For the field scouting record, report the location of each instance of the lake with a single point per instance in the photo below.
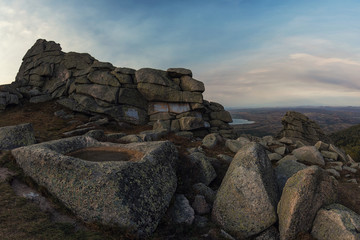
(238, 121)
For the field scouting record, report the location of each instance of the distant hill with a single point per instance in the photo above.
(349, 140)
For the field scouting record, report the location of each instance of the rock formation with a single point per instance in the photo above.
(172, 99)
(297, 126)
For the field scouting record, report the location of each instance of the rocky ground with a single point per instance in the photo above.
(200, 207)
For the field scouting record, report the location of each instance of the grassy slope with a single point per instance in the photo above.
(349, 140)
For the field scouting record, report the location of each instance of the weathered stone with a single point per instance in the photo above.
(162, 125)
(321, 146)
(132, 97)
(233, 145)
(179, 72)
(181, 211)
(297, 126)
(158, 107)
(206, 172)
(152, 135)
(350, 169)
(16, 136)
(104, 191)
(102, 65)
(124, 70)
(211, 140)
(309, 155)
(128, 114)
(303, 195)
(202, 189)
(274, 157)
(269, 234)
(40, 46)
(215, 107)
(155, 77)
(200, 205)
(185, 134)
(178, 107)
(43, 70)
(286, 140)
(333, 172)
(113, 137)
(79, 61)
(225, 158)
(280, 150)
(189, 84)
(78, 132)
(97, 134)
(223, 116)
(245, 204)
(335, 222)
(332, 155)
(154, 92)
(285, 170)
(191, 123)
(132, 138)
(342, 156)
(106, 93)
(161, 116)
(104, 78)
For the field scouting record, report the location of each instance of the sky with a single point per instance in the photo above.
(249, 53)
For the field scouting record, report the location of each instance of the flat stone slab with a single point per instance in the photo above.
(132, 193)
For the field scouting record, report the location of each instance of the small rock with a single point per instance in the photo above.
(280, 150)
(185, 134)
(331, 155)
(111, 137)
(286, 140)
(131, 139)
(182, 212)
(333, 172)
(233, 145)
(97, 134)
(200, 205)
(274, 157)
(201, 221)
(352, 181)
(78, 132)
(321, 146)
(202, 189)
(206, 172)
(211, 140)
(225, 158)
(342, 156)
(350, 169)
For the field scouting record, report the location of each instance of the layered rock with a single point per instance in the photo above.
(129, 193)
(84, 84)
(297, 126)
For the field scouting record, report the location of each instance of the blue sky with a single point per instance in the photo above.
(249, 53)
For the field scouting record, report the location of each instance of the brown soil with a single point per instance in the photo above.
(105, 154)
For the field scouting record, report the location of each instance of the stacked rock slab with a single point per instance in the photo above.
(297, 126)
(84, 84)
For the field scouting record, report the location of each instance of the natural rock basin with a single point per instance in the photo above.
(132, 195)
(105, 154)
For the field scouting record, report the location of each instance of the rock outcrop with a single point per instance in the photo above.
(132, 194)
(297, 126)
(80, 82)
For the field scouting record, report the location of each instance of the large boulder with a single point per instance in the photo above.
(131, 192)
(335, 222)
(285, 170)
(303, 195)
(245, 204)
(16, 136)
(309, 155)
(297, 126)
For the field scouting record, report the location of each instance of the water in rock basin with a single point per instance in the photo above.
(104, 154)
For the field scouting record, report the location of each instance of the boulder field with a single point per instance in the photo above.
(234, 187)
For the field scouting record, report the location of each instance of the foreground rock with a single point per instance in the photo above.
(336, 222)
(303, 195)
(131, 193)
(245, 204)
(16, 136)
